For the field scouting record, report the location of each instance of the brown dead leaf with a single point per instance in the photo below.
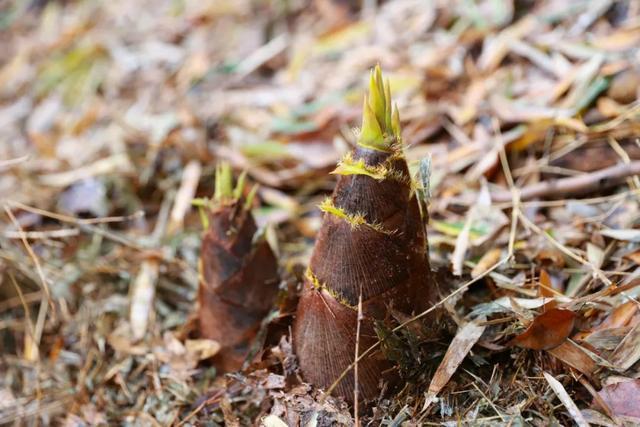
(548, 330)
(623, 398)
(495, 49)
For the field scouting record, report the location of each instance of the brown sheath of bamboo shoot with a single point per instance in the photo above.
(371, 244)
(239, 282)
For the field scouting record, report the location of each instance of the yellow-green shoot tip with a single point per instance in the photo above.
(380, 127)
(224, 183)
(371, 134)
(224, 194)
(224, 191)
(377, 100)
(395, 122)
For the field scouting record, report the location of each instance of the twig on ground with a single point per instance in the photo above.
(186, 192)
(36, 261)
(8, 164)
(580, 184)
(48, 234)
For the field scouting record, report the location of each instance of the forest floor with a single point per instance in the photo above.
(114, 114)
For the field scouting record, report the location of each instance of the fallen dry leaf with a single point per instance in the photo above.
(551, 256)
(202, 348)
(620, 316)
(486, 262)
(623, 398)
(462, 343)
(573, 355)
(142, 295)
(548, 330)
(546, 288)
(628, 351)
(272, 421)
(566, 400)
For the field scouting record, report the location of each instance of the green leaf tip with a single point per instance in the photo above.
(377, 100)
(371, 134)
(387, 105)
(395, 122)
(239, 190)
(224, 183)
(225, 192)
(380, 126)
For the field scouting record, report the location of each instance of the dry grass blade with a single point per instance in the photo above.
(50, 234)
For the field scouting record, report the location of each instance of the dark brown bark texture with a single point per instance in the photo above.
(239, 283)
(385, 261)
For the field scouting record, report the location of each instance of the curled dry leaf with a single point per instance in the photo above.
(548, 330)
(551, 257)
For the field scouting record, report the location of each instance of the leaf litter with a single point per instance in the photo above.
(113, 116)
